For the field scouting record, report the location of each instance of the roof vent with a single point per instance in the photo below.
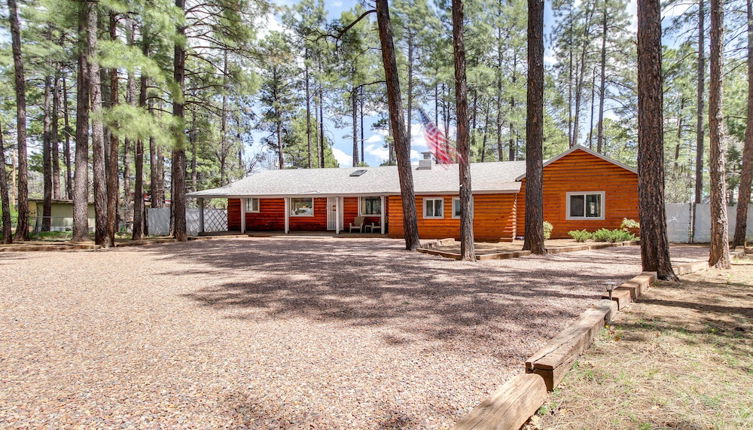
(358, 172)
(425, 163)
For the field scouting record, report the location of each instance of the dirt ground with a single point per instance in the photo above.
(295, 333)
(681, 357)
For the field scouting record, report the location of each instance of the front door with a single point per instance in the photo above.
(331, 212)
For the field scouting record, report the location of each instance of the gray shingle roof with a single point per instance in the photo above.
(485, 177)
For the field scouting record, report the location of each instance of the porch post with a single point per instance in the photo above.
(337, 215)
(201, 215)
(243, 216)
(287, 215)
(381, 216)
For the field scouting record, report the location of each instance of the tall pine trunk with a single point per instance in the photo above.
(354, 119)
(513, 147)
(55, 136)
(98, 138)
(719, 250)
(67, 144)
(4, 199)
(87, 22)
(306, 81)
(402, 146)
(467, 249)
(22, 225)
(746, 175)
(179, 154)
(47, 155)
(138, 158)
(700, 95)
(112, 161)
(534, 227)
(602, 78)
(654, 242)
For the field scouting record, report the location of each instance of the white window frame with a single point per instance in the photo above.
(360, 205)
(433, 199)
(457, 199)
(290, 210)
(249, 206)
(602, 210)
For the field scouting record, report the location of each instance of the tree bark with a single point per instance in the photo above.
(467, 249)
(87, 22)
(700, 94)
(746, 174)
(179, 154)
(138, 158)
(308, 107)
(98, 137)
(47, 155)
(22, 225)
(55, 136)
(409, 114)
(4, 199)
(581, 75)
(654, 242)
(354, 118)
(321, 119)
(513, 147)
(67, 145)
(719, 250)
(402, 149)
(112, 162)
(602, 78)
(534, 227)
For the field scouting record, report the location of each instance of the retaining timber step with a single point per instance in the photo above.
(432, 249)
(509, 407)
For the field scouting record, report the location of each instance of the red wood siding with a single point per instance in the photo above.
(350, 212)
(581, 171)
(494, 218)
(271, 216)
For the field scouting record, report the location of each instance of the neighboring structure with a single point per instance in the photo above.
(61, 216)
(582, 190)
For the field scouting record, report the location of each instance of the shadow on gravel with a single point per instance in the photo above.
(500, 308)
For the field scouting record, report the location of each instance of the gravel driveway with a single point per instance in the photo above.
(277, 332)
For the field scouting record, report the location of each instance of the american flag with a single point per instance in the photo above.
(444, 150)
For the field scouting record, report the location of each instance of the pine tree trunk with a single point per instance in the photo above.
(55, 136)
(402, 150)
(98, 138)
(581, 74)
(88, 21)
(700, 94)
(411, 49)
(354, 119)
(593, 100)
(22, 225)
(746, 174)
(486, 132)
(654, 242)
(512, 148)
(4, 199)
(67, 144)
(138, 159)
(719, 250)
(360, 110)
(602, 78)
(500, 149)
(130, 99)
(321, 120)
(308, 108)
(112, 161)
(534, 227)
(47, 155)
(467, 248)
(179, 154)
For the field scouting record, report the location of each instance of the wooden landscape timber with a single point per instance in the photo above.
(434, 248)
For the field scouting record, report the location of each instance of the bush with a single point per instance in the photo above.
(548, 227)
(605, 235)
(629, 224)
(580, 235)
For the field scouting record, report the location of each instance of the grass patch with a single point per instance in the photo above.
(681, 357)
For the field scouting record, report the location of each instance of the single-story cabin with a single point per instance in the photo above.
(582, 190)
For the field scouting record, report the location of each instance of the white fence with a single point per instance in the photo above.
(680, 222)
(158, 220)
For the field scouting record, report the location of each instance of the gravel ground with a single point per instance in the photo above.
(277, 332)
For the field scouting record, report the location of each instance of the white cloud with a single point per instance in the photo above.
(375, 138)
(377, 151)
(345, 160)
(677, 9)
(268, 23)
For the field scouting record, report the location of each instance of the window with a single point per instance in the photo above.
(585, 205)
(252, 205)
(456, 207)
(434, 208)
(371, 206)
(302, 207)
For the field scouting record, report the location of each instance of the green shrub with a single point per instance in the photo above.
(628, 224)
(605, 235)
(548, 227)
(580, 235)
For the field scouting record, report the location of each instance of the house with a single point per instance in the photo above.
(582, 190)
(61, 218)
